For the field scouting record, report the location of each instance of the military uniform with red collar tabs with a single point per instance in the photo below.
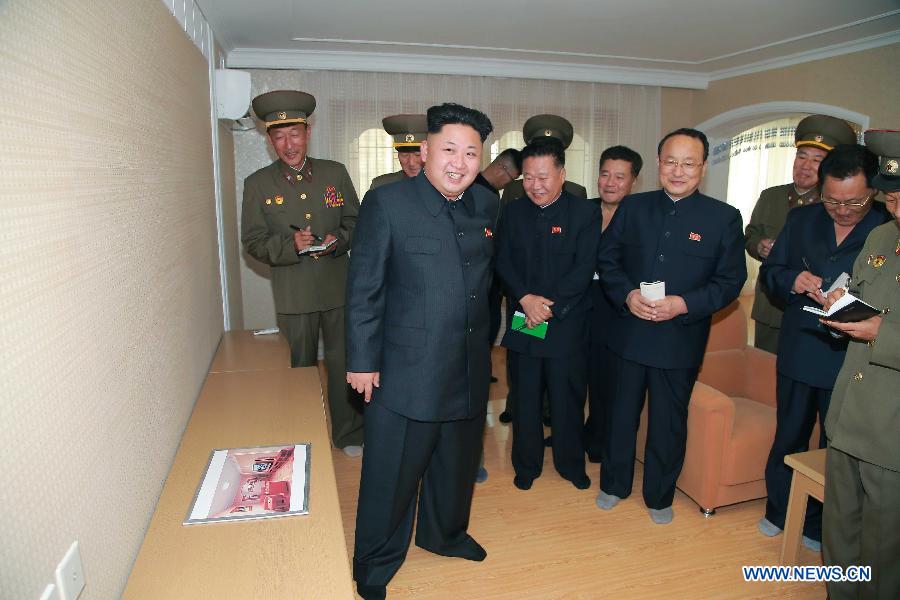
(309, 291)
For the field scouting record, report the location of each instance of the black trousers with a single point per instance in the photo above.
(564, 379)
(601, 370)
(668, 393)
(798, 405)
(408, 462)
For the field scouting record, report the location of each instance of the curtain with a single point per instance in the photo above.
(350, 104)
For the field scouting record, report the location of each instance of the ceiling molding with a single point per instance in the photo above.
(867, 43)
(728, 123)
(259, 58)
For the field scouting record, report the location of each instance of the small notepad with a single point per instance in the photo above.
(655, 290)
(518, 324)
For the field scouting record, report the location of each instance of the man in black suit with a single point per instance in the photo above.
(545, 260)
(818, 243)
(619, 169)
(695, 245)
(417, 321)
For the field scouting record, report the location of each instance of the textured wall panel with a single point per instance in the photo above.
(109, 290)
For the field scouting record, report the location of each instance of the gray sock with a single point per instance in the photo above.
(607, 501)
(662, 516)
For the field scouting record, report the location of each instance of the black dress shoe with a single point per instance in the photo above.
(548, 441)
(582, 483)
(468, 549)
(493, 379)
(546, 420)
(371, 592)
(594, 458)
(523, 483)
(506, 417)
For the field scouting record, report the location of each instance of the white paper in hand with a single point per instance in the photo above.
(653, 291)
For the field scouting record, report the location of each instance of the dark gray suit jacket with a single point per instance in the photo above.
(417, 298)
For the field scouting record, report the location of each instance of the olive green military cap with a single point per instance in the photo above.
(548, 126)
(283, 107)
(886, 144)
(823, 132)
(408, 131)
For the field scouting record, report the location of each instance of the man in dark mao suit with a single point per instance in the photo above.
(817, 244)
(417, 321)
(695, 245)
(545, 260)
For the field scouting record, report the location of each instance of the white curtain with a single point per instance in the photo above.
(350, 105)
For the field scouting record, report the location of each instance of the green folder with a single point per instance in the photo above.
(518, 324)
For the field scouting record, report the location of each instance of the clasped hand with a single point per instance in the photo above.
(655, 310)
(536, 309)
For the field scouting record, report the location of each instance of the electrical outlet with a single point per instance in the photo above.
(49, 592)
(70, 575)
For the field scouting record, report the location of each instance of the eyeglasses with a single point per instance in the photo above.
(853, 204)
(688, 166)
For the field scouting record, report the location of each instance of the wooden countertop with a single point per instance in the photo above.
(243, 351)
(288, 557)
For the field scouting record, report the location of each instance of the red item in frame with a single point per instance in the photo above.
(271, 488)
(279, 502)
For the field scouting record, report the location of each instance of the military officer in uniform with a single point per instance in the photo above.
(545, 261)
(694, 245)
(814, 137)
(408, 132)
(817, 244)
(295, 203)
(861, 520)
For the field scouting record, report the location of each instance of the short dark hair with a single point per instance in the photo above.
(694, 133)
(623, 153)
(450, 113)
(546, 146)
(512, 156)
(848, 160)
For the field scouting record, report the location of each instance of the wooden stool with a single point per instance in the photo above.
(808, 480)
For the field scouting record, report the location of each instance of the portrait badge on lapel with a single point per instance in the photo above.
(694, 237)
(333, 198)
(555, 229)
(488, 233)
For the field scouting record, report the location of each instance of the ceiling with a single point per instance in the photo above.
(681, 44)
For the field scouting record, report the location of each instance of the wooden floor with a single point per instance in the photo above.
(553, 542)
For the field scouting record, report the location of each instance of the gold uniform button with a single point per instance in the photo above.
(303, 196)
(858, 376)
(887, 310)
(897, 277)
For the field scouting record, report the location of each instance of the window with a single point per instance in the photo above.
(758, 159)
(375, 154)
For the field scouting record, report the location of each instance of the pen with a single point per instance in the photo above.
(806, 264)
(315, 237)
